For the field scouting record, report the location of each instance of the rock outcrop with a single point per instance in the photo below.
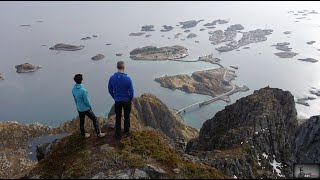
(66, 47)
(1, 77)
(307, 144)
(26, 68)
(150, 111)
(251, 138)
(162, 53)
(14, 139)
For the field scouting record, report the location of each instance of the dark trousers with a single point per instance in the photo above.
(126, 106)
(91, 115)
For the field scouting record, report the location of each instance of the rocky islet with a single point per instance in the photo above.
(97, 57)
(27, 68)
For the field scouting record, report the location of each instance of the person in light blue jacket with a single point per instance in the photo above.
(82, 101)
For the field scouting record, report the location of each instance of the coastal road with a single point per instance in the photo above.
(213, 99)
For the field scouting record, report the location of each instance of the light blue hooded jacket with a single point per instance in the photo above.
(81, 98)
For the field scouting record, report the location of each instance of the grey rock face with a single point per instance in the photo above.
(138, 174)
(154, 172)
(261, 124)
(307, 142)
(100, 175)
(66, 47)
(97, 57)
(27, 67)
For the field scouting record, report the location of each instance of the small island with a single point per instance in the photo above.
(1, 76)
(189, 24)
(284, 46)
(213, 82)
(187, 31)
(163, 53)
(86, 38)
(253, 36)
(286, 54)
(119, 54)
(311, 42)
(191, 35)
(315, 92)
(26, 68)
(147, 28)
(219, 21)
(202, 29)
(287, 32)
(234, 67)
(97, 57)
(137, 34)
(309, 60)
(302, 101)
(166, 28)
(177, 35)
(235, 27)
(66, 47)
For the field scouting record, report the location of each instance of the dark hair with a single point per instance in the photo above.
(120, 65)
(78, 78)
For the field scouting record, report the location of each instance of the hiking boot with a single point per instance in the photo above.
(102, 135)
(87, 135)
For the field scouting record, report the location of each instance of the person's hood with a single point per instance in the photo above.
(78, 86)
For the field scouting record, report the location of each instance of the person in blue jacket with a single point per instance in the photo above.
(81, 98)
(121, 89)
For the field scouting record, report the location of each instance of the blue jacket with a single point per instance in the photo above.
(81, 98)
(120, 87)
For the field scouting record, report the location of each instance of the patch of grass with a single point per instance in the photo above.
(150, 143)
(71, 155)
